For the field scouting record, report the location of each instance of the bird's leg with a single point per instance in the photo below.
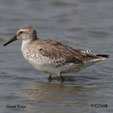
(49, 78)
(62, 79)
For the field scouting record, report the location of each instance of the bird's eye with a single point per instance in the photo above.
(21, 32)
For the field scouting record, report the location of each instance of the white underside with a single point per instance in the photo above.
(67, 68)
(52, 69)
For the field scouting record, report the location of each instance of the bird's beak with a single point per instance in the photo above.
(11, 40)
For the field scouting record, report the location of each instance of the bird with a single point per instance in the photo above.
(52, 56)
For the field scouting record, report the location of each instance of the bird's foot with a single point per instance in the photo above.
(62, 79)
(50, 77)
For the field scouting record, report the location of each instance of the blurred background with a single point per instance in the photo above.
(83, 24)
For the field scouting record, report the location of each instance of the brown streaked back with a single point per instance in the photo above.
(54, 49)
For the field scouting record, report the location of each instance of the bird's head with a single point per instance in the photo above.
(24, 33)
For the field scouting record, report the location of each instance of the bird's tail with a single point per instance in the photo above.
(94, 59)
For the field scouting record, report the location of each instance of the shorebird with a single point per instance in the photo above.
(51, 56)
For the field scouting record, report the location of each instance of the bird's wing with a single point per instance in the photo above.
(56, 50)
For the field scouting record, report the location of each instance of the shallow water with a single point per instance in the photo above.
(85, 24)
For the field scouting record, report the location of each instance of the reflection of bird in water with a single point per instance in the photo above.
(51, 56)
(53, 92)
(72, 94)
(46, 95)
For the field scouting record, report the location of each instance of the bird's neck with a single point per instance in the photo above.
(25, 44)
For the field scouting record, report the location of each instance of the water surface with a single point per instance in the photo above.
(85, 24)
